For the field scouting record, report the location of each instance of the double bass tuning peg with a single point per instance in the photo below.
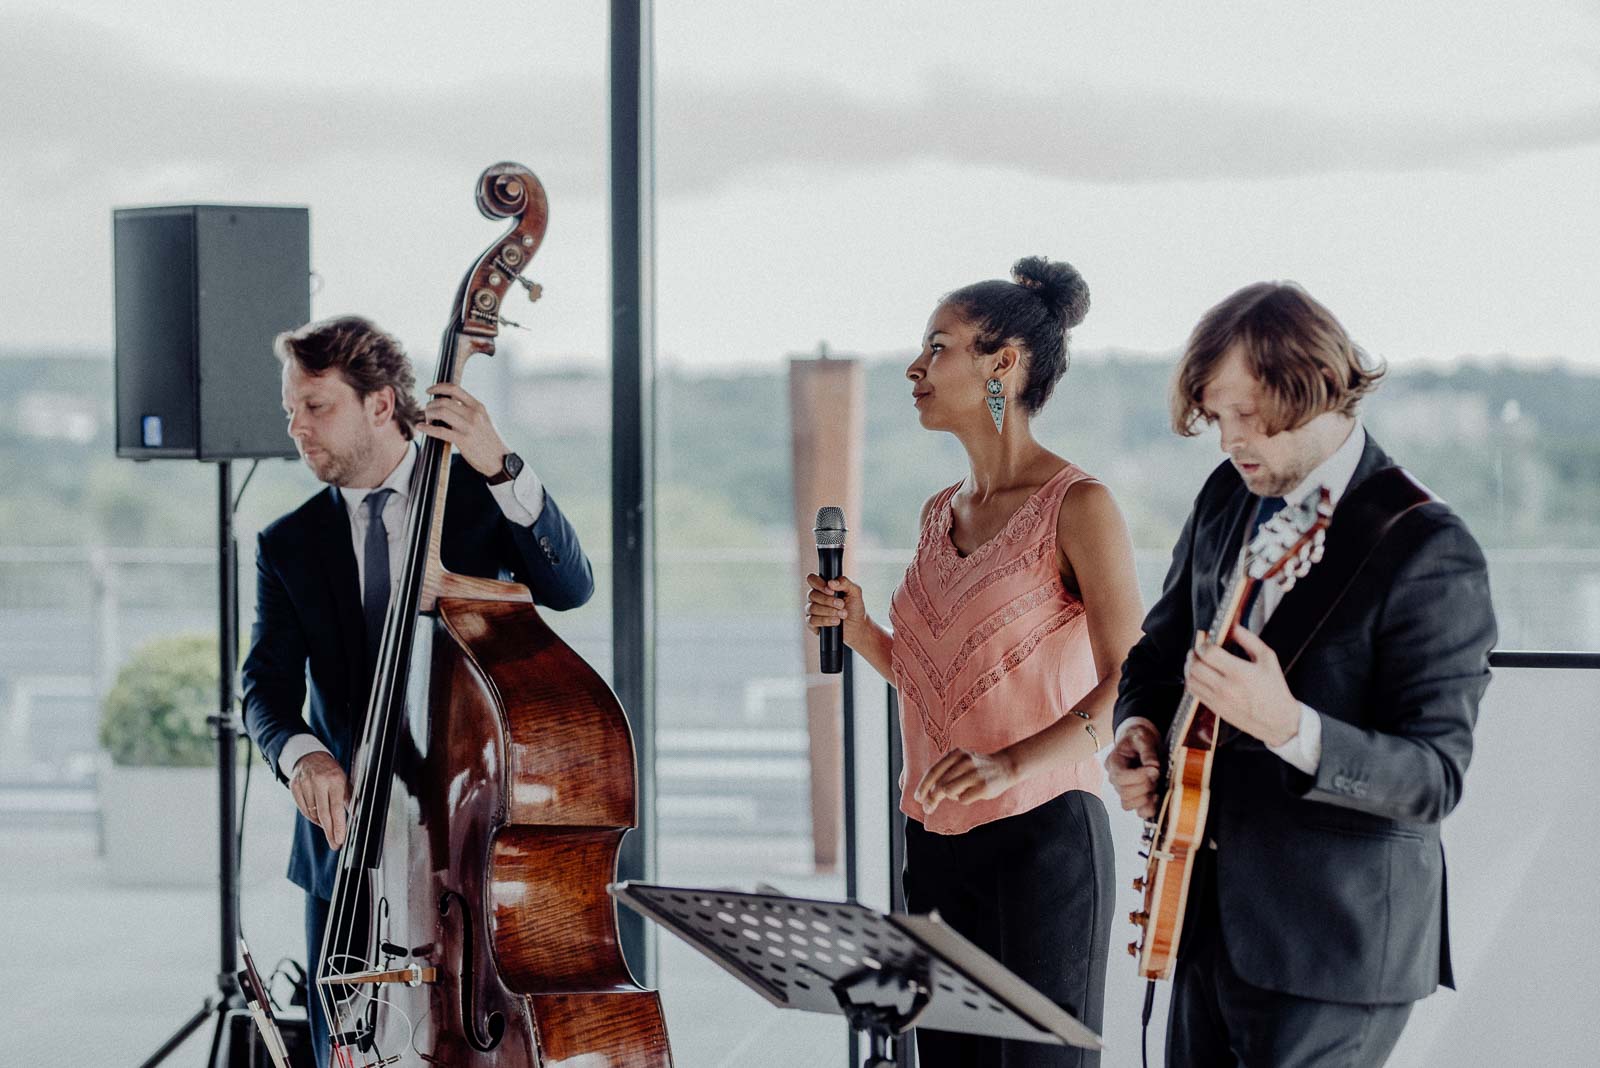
(511, 261)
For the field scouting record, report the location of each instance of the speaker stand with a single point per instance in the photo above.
(226, 995)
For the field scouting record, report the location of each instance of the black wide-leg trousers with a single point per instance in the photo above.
(1035, 891)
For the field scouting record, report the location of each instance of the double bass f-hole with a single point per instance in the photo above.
(496, 1022)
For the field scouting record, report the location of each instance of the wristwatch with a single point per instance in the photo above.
(510, 468)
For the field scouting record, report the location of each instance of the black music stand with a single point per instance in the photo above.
(883, 972)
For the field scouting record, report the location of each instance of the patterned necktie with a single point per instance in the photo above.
(375, 561)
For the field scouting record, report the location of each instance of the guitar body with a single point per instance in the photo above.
(1179, 835)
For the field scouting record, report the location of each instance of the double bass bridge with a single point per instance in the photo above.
(411, 975)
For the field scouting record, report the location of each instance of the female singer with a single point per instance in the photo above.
(1009, 632)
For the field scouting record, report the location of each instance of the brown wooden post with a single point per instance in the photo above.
(827, 418)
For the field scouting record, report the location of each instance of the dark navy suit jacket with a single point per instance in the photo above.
(309, 626)
(1332, 886)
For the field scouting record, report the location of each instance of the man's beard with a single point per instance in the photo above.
(338, 468)
(1278, 483)
(1275, 485)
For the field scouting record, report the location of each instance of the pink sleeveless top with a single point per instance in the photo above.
(988, 649)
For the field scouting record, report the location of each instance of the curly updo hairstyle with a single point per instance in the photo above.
(1033, 311)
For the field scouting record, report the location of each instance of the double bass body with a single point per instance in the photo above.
(523, 787)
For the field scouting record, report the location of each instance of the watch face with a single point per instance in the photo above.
(512, 464)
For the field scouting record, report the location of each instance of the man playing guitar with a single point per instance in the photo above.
(1316, 914)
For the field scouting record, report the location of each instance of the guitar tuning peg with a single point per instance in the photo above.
(535, 290)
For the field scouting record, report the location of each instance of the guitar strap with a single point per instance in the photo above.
(1363, 519)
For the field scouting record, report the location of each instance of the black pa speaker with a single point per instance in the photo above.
(201, 291)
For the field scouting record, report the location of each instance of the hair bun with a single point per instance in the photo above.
(1058, 284)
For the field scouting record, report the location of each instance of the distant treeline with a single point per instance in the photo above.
(1510, 444)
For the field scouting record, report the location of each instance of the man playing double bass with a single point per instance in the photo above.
(324, 572)
(1317, 913)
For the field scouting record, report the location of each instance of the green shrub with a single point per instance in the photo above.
(155, 714)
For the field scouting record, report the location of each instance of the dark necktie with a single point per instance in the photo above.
(375, 563)
(1269, 507)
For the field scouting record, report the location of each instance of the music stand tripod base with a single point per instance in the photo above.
(884, 972)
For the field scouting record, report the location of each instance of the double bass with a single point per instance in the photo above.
(491, 790)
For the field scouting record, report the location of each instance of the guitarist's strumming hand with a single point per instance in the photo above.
(1134, 768)
(1249, 691)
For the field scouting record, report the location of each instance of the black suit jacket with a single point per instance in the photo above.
(309, 625)
(1332, 886)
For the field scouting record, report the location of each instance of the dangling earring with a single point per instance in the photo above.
(997, 403)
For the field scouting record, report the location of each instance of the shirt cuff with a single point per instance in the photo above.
(522, 499)
(1304, 750)
(1122, 728)
(295, 748)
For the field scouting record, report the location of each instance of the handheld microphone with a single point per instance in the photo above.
(830, 530)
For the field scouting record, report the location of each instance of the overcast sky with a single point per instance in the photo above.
(827, 170)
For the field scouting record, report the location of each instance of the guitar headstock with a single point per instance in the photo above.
(1286, 546)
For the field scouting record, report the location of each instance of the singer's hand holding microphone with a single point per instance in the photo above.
(835, 610)
(834, 604)
(831, 590)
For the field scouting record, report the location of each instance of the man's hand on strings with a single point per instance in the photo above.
(456, 416)
(1247, 691)
(322, 792)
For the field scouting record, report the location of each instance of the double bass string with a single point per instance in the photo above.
(375, 757)
(344, 912)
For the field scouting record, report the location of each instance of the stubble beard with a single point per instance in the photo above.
(339, 468)
(1271, 483)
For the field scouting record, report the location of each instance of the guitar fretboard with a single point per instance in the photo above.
(1222, 622)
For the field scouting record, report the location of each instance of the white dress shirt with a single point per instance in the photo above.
(1304, 750)
(521, 500)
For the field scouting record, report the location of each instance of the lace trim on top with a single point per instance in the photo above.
(937, 623)
(1003, 616)
(1013, 659)
(948, 560)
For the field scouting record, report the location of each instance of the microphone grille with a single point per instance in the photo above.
(830, 528)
